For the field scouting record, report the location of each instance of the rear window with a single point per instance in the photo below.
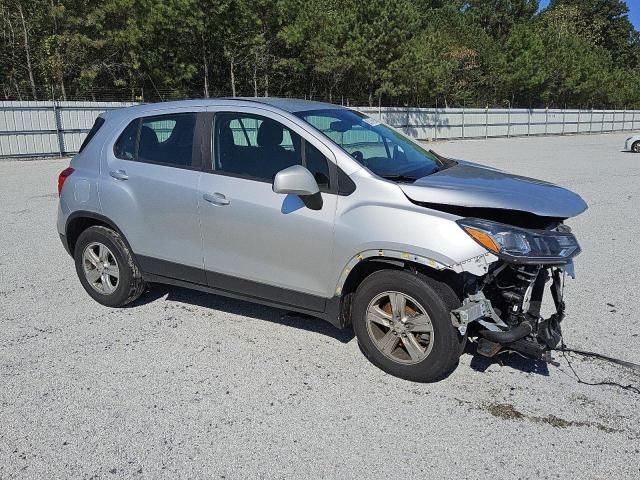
(96, 126)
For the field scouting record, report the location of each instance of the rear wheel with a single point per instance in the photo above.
(106, 267)
(635, 147)
(403, 325)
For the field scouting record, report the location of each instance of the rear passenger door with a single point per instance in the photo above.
(151, 193)
(257, 242)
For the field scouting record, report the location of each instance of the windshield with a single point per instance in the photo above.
(378, 147)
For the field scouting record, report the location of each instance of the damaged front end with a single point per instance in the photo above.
(502, 308)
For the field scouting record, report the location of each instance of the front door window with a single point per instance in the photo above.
(257, 148)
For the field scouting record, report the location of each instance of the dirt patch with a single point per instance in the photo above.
(509, 412)
(504, 410)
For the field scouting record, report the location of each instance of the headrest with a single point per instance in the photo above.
(270, 134)
(225, 135)
(148, 136)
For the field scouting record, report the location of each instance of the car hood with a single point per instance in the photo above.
(467, 184)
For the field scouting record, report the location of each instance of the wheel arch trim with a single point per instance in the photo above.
(476, 265)
(395, 257)
(87, 214)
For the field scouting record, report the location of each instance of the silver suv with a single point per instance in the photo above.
(319, 209)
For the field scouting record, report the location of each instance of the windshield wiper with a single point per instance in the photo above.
(446, 162)
(400, 178)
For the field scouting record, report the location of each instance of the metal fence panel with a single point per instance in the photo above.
(47, 128)
(58, 128)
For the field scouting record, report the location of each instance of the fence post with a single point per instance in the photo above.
(579, 121)
(546, 119)
(613, 121)
(591, 121)
(624, 114)
(564, 119)
(58, 120)
(529, 121)
(463, 122)
(509, 122)
(435, 130)
(486, 122)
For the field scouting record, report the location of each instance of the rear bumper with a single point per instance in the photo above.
(628, 143)
(65, 244)
(61, 224)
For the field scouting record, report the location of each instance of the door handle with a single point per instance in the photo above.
(119, 174)
(216, 198)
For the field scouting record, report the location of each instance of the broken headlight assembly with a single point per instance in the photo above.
(523, 246)
(503, 308)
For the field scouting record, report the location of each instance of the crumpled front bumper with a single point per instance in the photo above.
(533, 335)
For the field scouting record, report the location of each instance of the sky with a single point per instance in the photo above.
(634, 10)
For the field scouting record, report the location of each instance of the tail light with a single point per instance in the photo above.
(64, 174)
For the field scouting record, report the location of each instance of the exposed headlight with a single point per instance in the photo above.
(519, 245)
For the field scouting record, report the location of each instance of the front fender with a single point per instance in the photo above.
(478, 265)
(392, 226)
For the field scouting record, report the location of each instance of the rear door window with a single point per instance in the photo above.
(163, 139)
(167, 139)
(125, 147)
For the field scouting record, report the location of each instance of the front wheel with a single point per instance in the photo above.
(636, 147)
(403, 325)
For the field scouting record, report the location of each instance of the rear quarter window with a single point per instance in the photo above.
(94, 129)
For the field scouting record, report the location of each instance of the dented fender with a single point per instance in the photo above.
(477, 265)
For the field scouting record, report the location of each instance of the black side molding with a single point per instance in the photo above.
(150, 265)
(162, 271)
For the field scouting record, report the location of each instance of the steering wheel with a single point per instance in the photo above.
(359, 156)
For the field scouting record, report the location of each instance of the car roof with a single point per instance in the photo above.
(290, 105)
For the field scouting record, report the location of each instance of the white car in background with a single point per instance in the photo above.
(632, 144)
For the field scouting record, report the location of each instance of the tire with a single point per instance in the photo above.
(439, 350)
(98, 250)
(635, 147)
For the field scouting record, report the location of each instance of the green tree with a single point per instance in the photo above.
(419, 52)
(523, 67)
(497, 17)
(609, 23)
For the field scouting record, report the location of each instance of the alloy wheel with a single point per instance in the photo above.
(100, 268)
(400, 327)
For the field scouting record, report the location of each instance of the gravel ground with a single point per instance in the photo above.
(198, 386)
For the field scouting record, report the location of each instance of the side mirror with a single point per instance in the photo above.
(295, 180)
